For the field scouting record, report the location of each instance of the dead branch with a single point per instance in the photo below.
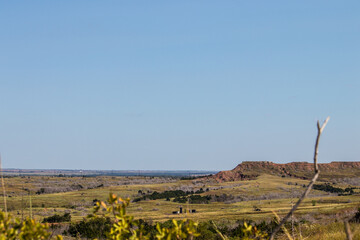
(309, 187)
(348, 231)
(283, 227)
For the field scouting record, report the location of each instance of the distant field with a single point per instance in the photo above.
(93, 173)
(251, 200)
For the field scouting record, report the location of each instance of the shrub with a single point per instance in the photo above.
(57, 218)
(356, 218)
(13, 229)
(90, 228)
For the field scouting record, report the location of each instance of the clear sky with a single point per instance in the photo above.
(172, 85)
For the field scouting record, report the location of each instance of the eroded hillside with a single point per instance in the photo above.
(303, 170)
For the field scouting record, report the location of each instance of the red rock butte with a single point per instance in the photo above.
(251, 169)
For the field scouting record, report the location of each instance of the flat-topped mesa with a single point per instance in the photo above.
(251, 169)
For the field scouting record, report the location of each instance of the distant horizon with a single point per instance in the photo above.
(167, 170)
(109, 170)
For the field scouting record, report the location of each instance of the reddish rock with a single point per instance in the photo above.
(250, 170)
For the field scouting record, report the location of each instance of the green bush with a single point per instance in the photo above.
(57, 218)
(14, 229)
(90, 228)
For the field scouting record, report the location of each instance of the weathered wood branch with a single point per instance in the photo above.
(347, 230)
(313, 180)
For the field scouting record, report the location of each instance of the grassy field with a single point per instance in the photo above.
(252, 200)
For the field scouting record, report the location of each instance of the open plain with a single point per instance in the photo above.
(158, 199)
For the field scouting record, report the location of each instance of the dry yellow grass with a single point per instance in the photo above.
(80, 202)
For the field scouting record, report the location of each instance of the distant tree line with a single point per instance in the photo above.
(193, 199)
(166, 194)
(328, 188)
(181, 196)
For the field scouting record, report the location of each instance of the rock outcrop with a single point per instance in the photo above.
(304, 170)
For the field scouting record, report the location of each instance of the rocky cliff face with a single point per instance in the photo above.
(250, 170)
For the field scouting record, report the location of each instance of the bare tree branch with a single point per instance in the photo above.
(309, 187)
(320, 130)
(283, 227)
(347, 230)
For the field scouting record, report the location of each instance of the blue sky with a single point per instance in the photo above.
(177, 84)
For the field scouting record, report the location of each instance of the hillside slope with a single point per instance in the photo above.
(304, 170)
